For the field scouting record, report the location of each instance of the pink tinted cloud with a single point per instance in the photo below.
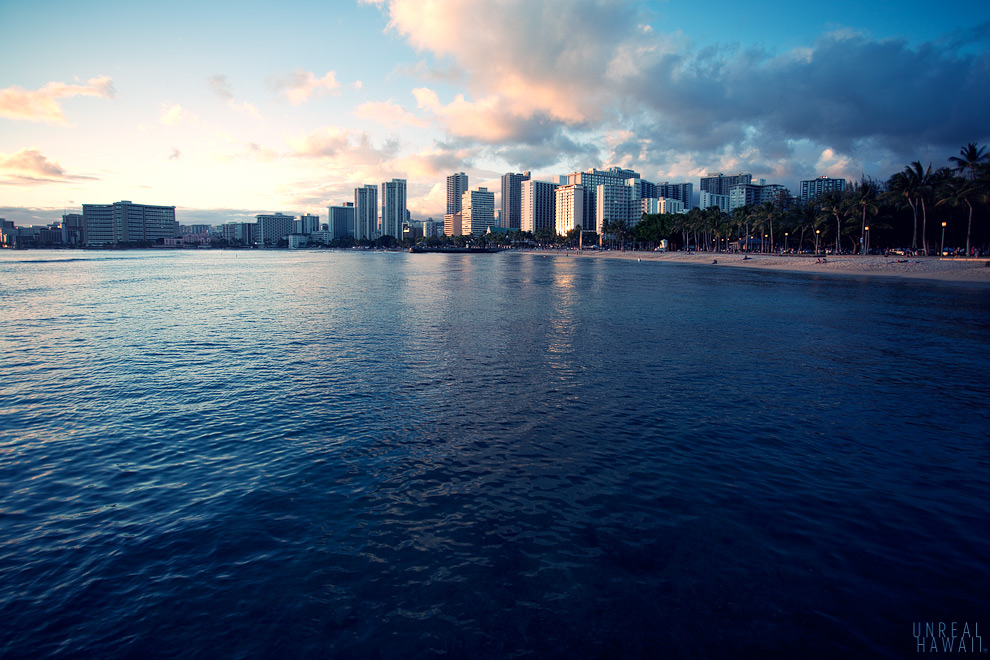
(43, 105)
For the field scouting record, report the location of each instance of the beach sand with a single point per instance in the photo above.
(926, 268)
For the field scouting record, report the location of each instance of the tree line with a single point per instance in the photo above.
(913, 210)
(920, 209)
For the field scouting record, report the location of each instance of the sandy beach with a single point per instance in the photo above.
(925, 268)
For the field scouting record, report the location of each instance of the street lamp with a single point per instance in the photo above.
(786, 234)
(942, 251)
(817, 234)
(764, 246)
(866, 244)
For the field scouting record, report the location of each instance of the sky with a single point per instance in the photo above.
(228, 110)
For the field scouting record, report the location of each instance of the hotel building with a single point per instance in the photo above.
(127, 222)
(457, 185)
(393, 207)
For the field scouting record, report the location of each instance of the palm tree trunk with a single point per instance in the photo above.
(969, 226)
(924, 227)
(862, 233)
(914, 235)
(838, 234)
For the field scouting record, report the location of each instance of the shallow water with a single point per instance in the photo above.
(315, 454)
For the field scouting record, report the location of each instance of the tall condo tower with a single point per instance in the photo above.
(393, 207)
(457, 185)
(511, 198)
(365, 212)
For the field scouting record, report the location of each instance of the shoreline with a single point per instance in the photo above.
(941, 269)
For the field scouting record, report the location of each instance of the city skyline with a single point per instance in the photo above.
(234, 114)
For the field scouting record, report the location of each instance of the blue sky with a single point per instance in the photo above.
(231, 110)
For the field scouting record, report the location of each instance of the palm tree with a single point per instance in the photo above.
(920, 182)
(964, 191)
(833, 203)
(900, 187)
(864, 197)
(969, 159)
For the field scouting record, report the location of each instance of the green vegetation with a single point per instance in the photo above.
(870, 215)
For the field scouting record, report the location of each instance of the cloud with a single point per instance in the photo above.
(173, 114)
(31, 167)
(299, 86)
(564, 74)
(42, 105)
(436, 162)
(220, 86)
(387, 113)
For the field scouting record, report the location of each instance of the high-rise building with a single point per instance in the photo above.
(8, 233)
(712, 199)
(593, 178)
(681, 191)
(240, 233)
(341, 220)
(511, 198)
(574, 206)
(647, 189)
(617, 203)
(813, 188)
(127, 222)
(307, 224)
(457, 185)
(750, 193)
(719, 184)
(536, 206)
(393, 207)
(273, 228)
(73, 229)
(453, 224)
(366, 213)
(477, 211)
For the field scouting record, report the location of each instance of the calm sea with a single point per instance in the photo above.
(383, 455)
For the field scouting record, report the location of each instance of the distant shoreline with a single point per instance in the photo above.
(974, 271)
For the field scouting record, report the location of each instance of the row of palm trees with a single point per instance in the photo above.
(864, 208)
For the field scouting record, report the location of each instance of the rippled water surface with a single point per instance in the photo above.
(358, 455)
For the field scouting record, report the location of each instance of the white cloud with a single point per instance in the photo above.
(299, 86)
(387, 113)
(172, 114)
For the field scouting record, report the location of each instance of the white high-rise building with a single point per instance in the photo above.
(477, 211)
(574, 206)
(457, 185)
(712, 199)
(812, 188)
(536, 206)
(273, 228)
(366, 213)
(393, 207)
(617, 203)
(751, 193)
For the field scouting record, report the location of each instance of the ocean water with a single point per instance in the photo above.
(233, 454)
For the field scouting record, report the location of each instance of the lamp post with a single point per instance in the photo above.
(765, 248)
(786, 234)
(866, 243)
(817, 234)
(942, 251)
